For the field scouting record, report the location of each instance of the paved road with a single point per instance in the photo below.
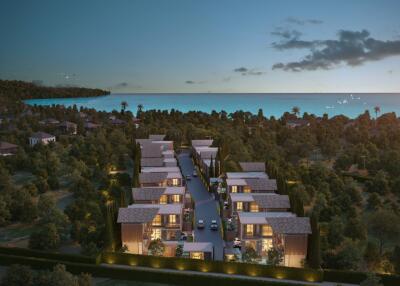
(205, 207)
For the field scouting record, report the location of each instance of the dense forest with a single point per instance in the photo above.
(344, 173)
(13, 90)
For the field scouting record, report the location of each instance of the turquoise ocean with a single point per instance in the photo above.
(272, 104)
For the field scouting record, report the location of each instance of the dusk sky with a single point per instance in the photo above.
(204, 46)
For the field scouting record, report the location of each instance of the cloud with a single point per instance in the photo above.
(352, 48)
(286, 33)
(195, 82)
(290, 40)
(121, 84)
(302, 22)
(124, 84)
(246, 71)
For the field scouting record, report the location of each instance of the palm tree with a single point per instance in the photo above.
(124, 105)
(377, 110)
(296, 110)
(139, 110)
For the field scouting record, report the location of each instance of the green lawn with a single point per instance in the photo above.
(16, 232)
(22, 178)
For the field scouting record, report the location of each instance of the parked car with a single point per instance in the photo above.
(237, 243)
(214, 225)
(200, 224)
(194, 173)
(183, 236)
(226, 205)
(188, 177)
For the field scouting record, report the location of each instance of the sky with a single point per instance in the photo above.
(203, 46)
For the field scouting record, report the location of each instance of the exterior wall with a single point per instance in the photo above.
(295, 246)
(132, 237)
(8, 151)
(33, 141)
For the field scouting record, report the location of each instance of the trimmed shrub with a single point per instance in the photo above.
(354, 277)
(258, 270)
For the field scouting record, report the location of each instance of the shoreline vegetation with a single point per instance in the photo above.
(15, 90)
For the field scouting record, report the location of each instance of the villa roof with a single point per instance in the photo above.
(197, 247)
(202, 142)
(91, 125)
(272, 201)
(136, 215)
(151, 194)
(246, 175)
(161, 208)
(172, 169)
(68, 124)
(152, 177)
(41, 135)
(262, 184)
(157, 137)
(149, 150)
(281, 222)
(6, 145)
(252, 166)
(152, 162)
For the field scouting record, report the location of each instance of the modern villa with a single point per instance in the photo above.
(250, 185)
(258, 202)
(282, 230)
(142, 223)
(41, 137)
(157, 195)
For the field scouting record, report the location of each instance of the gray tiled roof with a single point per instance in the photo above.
(41, 135)
(152, 177)
(157, 137)
(6, 145)
(290, 225)
(252, 166)
(272, 201)
(150, 150)
(262, 184)
(136, 215)
(152, 162)
(147, 194)
(202, 142)
(208, 154)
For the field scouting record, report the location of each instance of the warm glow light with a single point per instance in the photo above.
(155, 265)
(230, 271)
(310, 279)
(204, 269)
(180, 267)
(110, 261)
(280, 276)
(132, 263)
(253, 273)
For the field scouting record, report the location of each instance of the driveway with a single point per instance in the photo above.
(205, 207)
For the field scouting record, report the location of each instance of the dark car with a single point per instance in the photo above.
(214, 225)
(194, 173)
(188, 177)
(200, 224)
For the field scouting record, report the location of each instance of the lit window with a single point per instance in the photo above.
(239, 206)
(254, 208)
(267, 230)
(157, 220)
(156, 234)
(249, 229)
(176, 198)
(172, 219)
(175, 182)
(246, 190)
(163, 199)
(266, 244)
(197, 255)
(234, 189)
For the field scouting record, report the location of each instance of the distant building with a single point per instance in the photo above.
(251, 185)
(49, 121)
(68, 127)
(198, 250)
(7, 149)
(89, 126)
(297, 123)
(41, 137)
(252, 166)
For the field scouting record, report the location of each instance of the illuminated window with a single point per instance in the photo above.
(176, 198)
(172, 219)
(254, 208)
(175, 182)
(239, 206)
(266, 230)
(234, 189)
(246, 190)
(163, 199)
(156, 234)
(249, 229)
(157, 220)
(197, 255)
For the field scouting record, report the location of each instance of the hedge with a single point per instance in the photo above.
(354, 277)
(137, 274)
(50, 255)
(279, 272)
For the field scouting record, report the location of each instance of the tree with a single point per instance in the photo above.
(18, 275)
(139, 110)
(371, 255)
(45, 238)
(314, 248)
(385, 226)
(296, 110)
(156, 247)
(46, 205)
(90, 249)
(211, 169)
(374, 201)
(377, 110)
(395, 259)
(250, 255)
(5, 214)
(275, 256)
(179, 250)
(124, 105)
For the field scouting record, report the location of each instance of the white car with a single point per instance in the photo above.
(214, 225)
(194, 173)
(200, 224)
(237, 243)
